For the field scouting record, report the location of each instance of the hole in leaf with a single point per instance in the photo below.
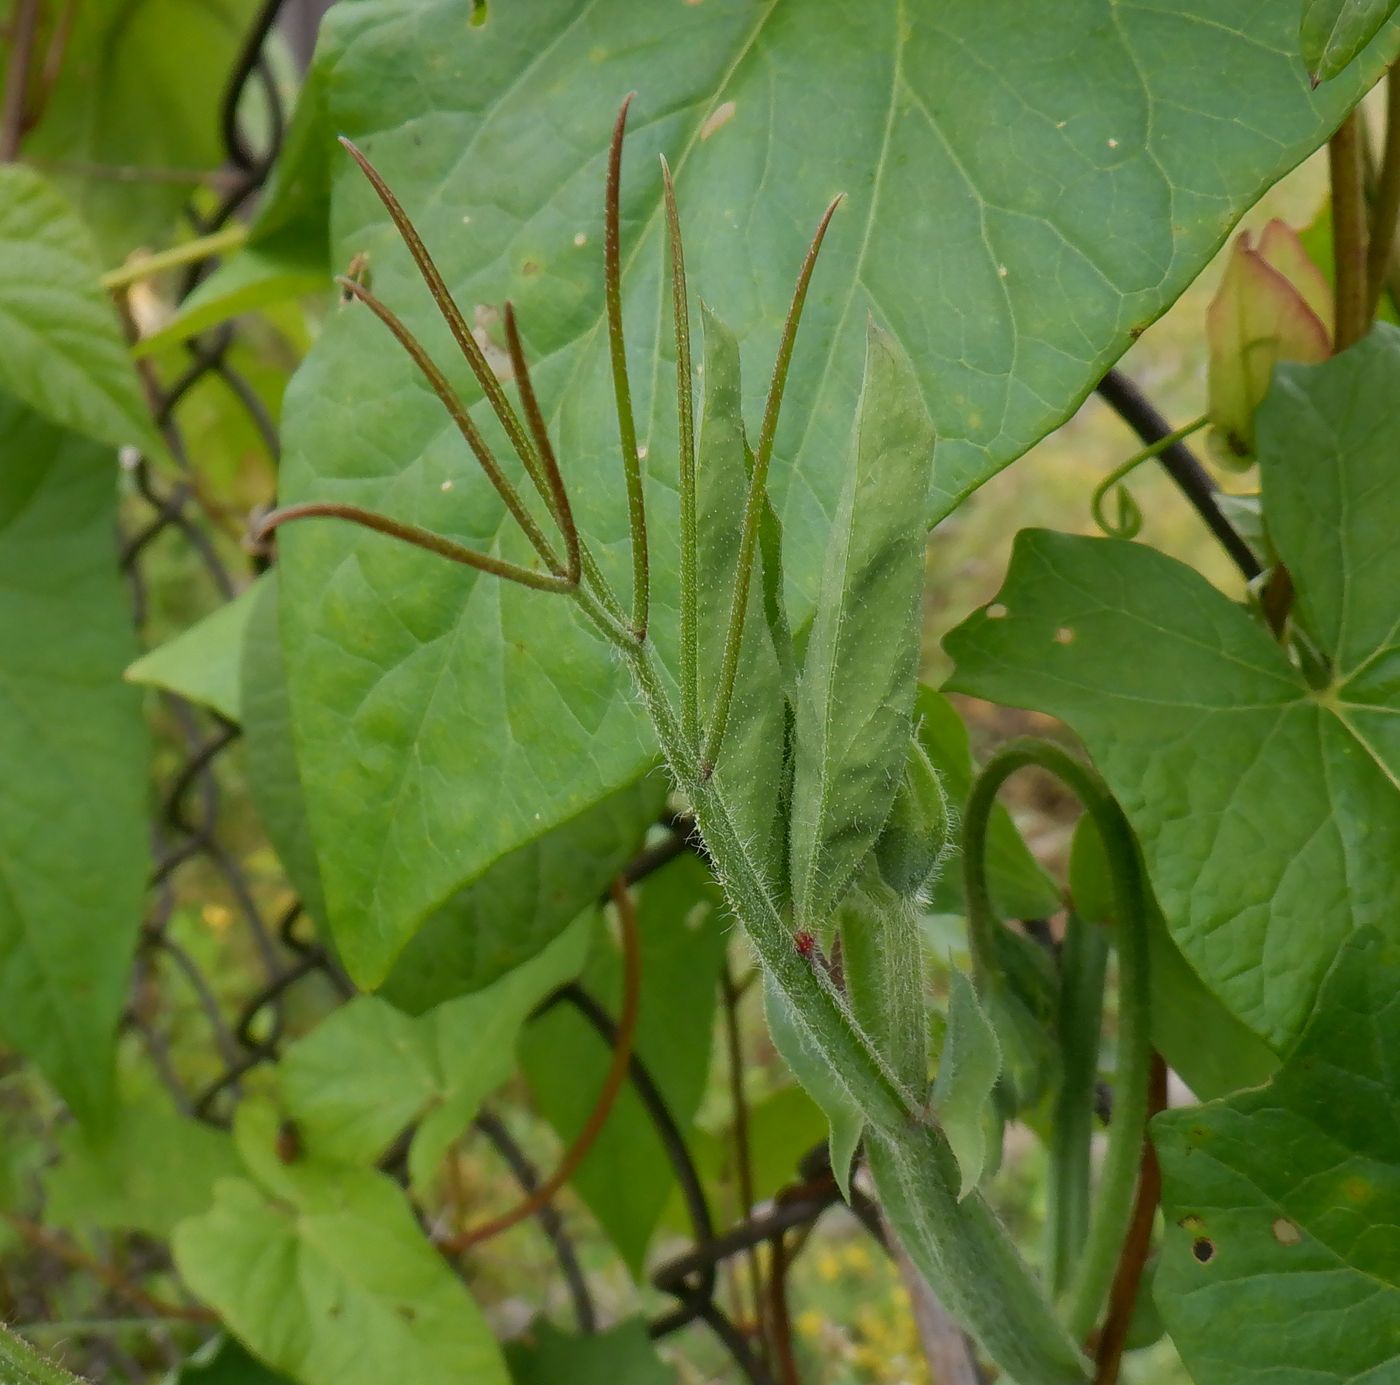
(996, 611)
(1203, 1249)
(479, 13)
(1064, 635)
(1285, 1233)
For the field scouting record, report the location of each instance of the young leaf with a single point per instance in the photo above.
(73, 834)
(204, 663)
(1281, 1202)
(882, 959)
(1333, 32)
(817, 1079)
(856, 694)
(967, 1072)
(1268, 809)
(64, 356)
(152, 1168)
(323, 1272)
(368, 1071)
(625, 1178)
(750, 767)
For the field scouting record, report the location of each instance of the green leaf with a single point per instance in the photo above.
(882, 958)
(968, 1069)
(750, 767)
(857, 687)
(64, 355)
(1210, 1049)
(811, 1069)
(524, 901)
(368, 1071)
(73, 836)
(224, 1361)
(22, 1364)
(205, 662)
(1281, 1203)
(1019, 887)
(152, 1168)
(1266, 808)
(274, 776)
(623, 1355)
(322, 1271)
(625, 1179)
(141, 88)
(1334, 32)
(287, 252)
(425, 689)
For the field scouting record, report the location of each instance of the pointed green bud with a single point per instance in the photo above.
(915, 838)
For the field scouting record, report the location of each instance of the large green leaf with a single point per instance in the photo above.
(1281, 1263)
(63, 353)
(73, 842)
(1268, 810)
(857, 687)
(322, 1271)
(141, 87)
(1027, 187)
(368, 1071)
(625, 1178)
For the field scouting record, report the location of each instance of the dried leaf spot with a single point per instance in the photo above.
(996, 611)
(721, 115)
(1002, 271)
(1203, 1248)
(1064, 635)
(581, 238)
(530, 268)
(1285, 1233)
(447, 485)
(1113, 144)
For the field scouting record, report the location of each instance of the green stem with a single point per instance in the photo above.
(218, 243)
(1349, 233)
(1129, 521)
(20, 1364)
(1083, 962)
(1094, 1275)
(1385, 210)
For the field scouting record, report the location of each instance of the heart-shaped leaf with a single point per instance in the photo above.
(1009, 171)
(1268, 809)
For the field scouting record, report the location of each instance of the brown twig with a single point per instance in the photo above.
(1122, 1299)
(12, 118)
(1349, 233)
(78, 1259)
(779, 1321)
(743, 1153)
(607, 1093)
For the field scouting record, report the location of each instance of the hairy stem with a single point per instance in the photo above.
(419, 538)
(20, 1364)
(685, 413)
(622, 389)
